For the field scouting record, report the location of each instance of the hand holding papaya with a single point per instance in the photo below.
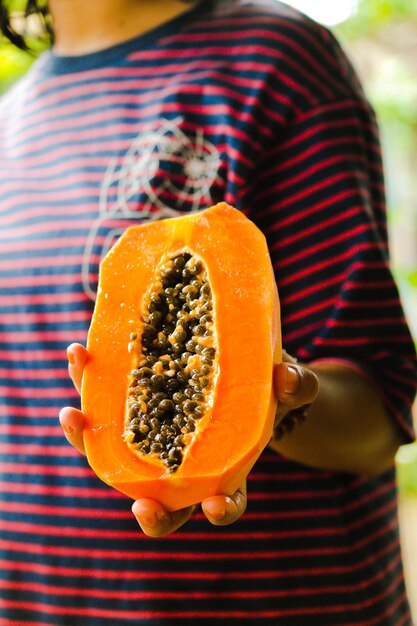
(295, 386)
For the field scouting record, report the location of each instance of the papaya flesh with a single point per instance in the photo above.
(177, 390)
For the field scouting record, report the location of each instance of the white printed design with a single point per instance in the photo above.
(162, 162)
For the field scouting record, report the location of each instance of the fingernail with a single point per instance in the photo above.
(150, 518)
(215, 510)
(71, 358)
(217, 514)
(68, 429)
(292, 380)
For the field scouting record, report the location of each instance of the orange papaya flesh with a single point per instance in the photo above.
(214, 452)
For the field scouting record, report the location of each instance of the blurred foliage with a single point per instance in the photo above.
(407, 469)
(373, 15)
(13, 61)
(13, 64)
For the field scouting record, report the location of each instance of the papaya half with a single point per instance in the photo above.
(177, 390)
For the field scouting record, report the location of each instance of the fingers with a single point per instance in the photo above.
(72, 422)
(155, 521)
(295, 386)
(224, 510)
(77, 358)
(71, 419)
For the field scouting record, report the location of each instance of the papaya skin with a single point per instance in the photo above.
(247, 327)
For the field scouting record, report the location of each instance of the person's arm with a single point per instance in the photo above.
(347, 428)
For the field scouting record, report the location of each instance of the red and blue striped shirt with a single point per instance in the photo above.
(251, 103)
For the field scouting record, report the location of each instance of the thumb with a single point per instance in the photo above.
(77, 358)
(295, 385)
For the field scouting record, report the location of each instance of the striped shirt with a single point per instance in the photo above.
(254, 104)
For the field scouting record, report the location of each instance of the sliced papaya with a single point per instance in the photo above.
(177, 390)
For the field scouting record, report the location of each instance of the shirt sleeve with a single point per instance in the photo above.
(319, 199)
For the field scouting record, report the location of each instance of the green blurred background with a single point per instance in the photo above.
(381, 38)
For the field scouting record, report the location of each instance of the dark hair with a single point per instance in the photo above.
(33, 7)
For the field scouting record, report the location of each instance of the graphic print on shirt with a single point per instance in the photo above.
(165, 172)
